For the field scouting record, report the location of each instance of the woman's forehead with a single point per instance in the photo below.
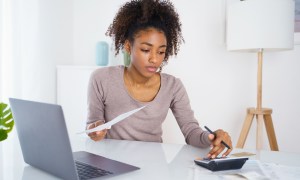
(150, 34)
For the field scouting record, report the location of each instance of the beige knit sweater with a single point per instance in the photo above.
(108, 98)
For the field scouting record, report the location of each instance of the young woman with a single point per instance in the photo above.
(149, 31)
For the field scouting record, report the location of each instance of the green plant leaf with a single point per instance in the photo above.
(7, 118)
(6, 121)
(3, 134)
(10, 125)
(2, 107)
(6, 112)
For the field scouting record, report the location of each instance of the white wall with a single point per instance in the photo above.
(90, 21)
(221, 84)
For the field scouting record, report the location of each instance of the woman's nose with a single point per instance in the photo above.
(153, 58)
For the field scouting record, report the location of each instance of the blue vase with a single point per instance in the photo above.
(102, 53)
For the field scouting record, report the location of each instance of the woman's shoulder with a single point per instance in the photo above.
(170, 80)
(107, 72)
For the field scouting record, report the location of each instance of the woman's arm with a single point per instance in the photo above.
(189, 126)
(184, 115)
(95, 108)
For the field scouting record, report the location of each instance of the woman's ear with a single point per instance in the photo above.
(127, 46)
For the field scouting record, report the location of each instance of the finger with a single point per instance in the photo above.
(224, 135)
(226, 152)
(218, 146)
(229, 143)
(92, 134)
(217, 141)
(100, 135)
(213, 151)
(90, 126)
(211, 137)
(97, 138)
(97, 123)
(217, 152)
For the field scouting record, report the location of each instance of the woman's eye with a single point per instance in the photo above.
(145, 50)
(161, 52)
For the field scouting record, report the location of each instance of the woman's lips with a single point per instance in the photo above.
(151, 68)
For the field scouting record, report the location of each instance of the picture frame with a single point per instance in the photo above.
(297, 23)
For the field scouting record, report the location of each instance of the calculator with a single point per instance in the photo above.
(222, 163)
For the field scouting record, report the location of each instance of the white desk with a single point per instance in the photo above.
(156, 160)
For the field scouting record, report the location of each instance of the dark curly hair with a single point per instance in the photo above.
(138, 15)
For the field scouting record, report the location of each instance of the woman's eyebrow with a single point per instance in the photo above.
(149, 44)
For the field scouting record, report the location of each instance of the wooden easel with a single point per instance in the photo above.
(261, 114)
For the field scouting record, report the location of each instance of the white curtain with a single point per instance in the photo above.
(10, 76)
(5, 49)
(18, 48)
(35, 36)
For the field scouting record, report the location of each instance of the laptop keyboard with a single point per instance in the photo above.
(86, 171)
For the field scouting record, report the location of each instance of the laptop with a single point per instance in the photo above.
(45, 144)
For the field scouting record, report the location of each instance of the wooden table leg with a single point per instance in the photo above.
(263, 116)
(259, 130)
(245, 130)
(271, 132)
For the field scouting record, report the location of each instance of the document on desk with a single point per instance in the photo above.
(277, 171)
(107, 125)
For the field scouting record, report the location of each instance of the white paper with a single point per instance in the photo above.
(107, 125)
(278, 171)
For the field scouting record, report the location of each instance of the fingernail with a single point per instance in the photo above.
(213, 156)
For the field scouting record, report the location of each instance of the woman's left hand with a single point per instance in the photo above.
(217, 146)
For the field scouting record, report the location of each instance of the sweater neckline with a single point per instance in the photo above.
(122, 71)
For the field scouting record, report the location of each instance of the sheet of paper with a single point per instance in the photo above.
(277, 171)
(107, 125)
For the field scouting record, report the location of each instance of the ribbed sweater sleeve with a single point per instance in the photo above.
(184, 115)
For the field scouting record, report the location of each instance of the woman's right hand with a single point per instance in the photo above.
(98, 135)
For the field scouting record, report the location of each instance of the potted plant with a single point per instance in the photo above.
(6, 121)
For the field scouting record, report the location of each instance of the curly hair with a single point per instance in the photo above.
(138, 15)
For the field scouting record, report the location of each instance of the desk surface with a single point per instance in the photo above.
(156, 160)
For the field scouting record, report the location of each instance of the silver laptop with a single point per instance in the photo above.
(45, 144)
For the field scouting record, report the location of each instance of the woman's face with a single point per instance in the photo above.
(147, 52)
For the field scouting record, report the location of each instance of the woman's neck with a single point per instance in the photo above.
(136, 79)
(141, 88)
